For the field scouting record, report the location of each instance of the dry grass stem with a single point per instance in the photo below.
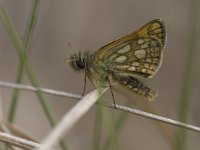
(154, 117)
(19, 142)
(119, 107)
(71, 118)
(44, 90)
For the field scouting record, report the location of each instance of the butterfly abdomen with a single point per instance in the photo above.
(137, 87)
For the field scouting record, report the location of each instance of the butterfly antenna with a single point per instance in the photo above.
(69, 45)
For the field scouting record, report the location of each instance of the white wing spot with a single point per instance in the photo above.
(135, 89)
(145, 45)
(132, 69)
(150, 71)
(125, 49)
(144, 70)
(140, 53)
(152, 67)
(148, 60)
(140, 41)
(155, 60)
(146, 65)
(130, 86)
(125, 82)
(135, 64)
(113, 56)
(121, 59)
(123, 66)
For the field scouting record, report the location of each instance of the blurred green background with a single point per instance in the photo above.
(88, 25)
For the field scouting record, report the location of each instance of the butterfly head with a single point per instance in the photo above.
(77, 61)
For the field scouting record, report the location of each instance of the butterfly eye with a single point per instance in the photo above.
(80, 63)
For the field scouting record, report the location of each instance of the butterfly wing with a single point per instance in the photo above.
(137, 54)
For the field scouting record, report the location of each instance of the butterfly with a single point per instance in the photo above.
(126, 60)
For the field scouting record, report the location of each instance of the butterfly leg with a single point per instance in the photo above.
(85, 82)
(110, 86)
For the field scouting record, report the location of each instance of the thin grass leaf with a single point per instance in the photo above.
(24, 59)
(188, 79)
(27, 38)
(118, 124)
(97, 128)
(109, 127)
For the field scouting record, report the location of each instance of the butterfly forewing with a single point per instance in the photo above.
(137, 54)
